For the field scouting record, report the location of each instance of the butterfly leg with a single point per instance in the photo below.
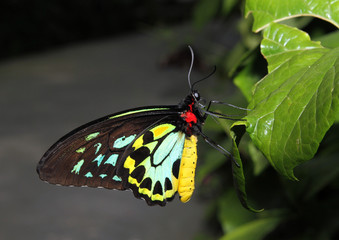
(220, 115)
(227, 104)
(219, 148)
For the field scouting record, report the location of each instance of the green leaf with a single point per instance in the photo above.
(267, 11)
(237, 131)
(294, 106)
(254, 230)
(282, 42)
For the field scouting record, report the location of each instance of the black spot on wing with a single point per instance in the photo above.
(146, 183)
(138, 173)
(148, 137)
(175, 168)
(157, 188)
(140, 155)
(168, 184)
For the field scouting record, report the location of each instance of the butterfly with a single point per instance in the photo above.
(150, 150)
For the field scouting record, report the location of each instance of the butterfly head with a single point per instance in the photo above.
(191, 114)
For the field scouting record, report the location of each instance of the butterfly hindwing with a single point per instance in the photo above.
(151, 163)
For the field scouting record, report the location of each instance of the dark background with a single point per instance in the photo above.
(29, 26)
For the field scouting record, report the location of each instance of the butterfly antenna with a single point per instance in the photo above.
(213, 71)
(190, 70)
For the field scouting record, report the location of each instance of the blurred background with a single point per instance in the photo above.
(65, 63)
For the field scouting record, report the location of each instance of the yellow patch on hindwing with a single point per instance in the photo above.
(138, 143)
(170, 193)
(142, 158)
(187, 169)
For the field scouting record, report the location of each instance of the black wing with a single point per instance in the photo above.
(90, 154)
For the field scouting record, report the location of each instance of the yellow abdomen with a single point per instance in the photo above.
(187, 169)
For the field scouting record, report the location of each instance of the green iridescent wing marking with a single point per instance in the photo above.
(152, 164)
(91, 154)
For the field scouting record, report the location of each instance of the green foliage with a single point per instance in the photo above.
(292, 121)
(303, 82)
(268, 11)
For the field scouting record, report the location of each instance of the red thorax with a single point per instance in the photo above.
(189, 116)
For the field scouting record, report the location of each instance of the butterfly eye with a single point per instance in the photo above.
(196, 95)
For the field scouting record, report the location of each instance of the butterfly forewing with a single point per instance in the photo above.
(89, 155)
